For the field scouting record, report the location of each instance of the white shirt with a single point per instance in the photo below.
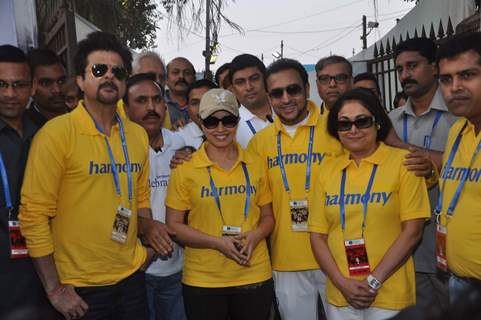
(192, 135)
(291, 130)
(158, 180)
(249, 125)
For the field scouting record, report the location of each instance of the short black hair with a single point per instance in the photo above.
(369, 101)
(221, 69)
(424, 46)
(287, 64)
(243, 61)
(42, 57)
(100, 41)
(400, 95)
(368, 76)
(201, 83)
(459, 44)
(139, 77)
(334, 59)
(9, 53)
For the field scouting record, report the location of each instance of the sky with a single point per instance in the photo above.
(310, 29)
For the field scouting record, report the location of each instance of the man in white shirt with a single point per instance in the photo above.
(246, 73)
(191, 133)
(144, 104)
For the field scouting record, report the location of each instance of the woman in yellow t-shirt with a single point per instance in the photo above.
(367, 215)
(219, 206)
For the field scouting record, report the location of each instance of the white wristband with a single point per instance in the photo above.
(373, 282)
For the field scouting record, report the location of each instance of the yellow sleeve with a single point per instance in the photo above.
(43, 174)
(265, 195)
(252, 146)
(178, 195)
(167, 124)
(143, 187)
(317, 221)
(413, 196)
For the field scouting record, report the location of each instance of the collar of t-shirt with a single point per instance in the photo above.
(291, 130)
(437, 103)
(167, 142)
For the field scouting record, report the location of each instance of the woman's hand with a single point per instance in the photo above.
(231, 247)
(249, 241)
(357, 293)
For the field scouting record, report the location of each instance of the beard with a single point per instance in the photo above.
(108, 99)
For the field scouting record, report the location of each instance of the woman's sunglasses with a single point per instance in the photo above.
(100, 69)
(360, 123)
(212, 122)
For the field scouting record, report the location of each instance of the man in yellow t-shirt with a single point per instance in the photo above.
(460, 206)
(299, 138)
(85, 185)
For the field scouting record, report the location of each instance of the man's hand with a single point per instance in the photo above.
(157, 235)
(180, 157)
(357, 293)
(66, 301)
(419, 162)
(178, 124)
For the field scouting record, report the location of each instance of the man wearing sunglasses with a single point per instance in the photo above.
(86, 192)
(49, 76)
(424, 121)
(246, 74)
(21, 294)
(299, 138)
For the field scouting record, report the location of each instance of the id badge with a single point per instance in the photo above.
(427, 142)
(441, 234)
(231, 231)
(356, 254)
(18, 245)
(121, 224)
(299, 214)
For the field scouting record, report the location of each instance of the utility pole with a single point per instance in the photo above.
(364, 32)
(262, 57)
(282, 49)
(207, 52)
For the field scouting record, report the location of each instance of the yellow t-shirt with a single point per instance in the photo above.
(69, 203)
(397, 195)
(291, 250)
(463, 247)
(189, 190)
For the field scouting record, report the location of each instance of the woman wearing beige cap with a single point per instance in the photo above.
(219, 205)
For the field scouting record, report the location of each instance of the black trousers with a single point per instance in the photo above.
(252, 302)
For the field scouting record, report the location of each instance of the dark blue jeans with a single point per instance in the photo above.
(164, 296)
(126, 299)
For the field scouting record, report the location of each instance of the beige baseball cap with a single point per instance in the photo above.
(216, 100)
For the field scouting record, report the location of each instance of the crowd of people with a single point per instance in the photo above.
(133, 190)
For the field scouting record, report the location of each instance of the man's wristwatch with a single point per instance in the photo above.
(373, 282)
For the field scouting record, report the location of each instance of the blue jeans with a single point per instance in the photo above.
(457, 287)
(125, 300)
(164, 295)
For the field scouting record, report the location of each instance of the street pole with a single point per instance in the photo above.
(282, 49)
(364, 32)
(207, 52)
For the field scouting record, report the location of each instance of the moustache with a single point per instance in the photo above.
(150, 115)
(408, 81)
(110, 85)
(182, 81)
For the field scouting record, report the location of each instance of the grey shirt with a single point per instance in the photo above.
(418, 128)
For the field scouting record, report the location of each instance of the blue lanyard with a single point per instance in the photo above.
(248, 192)
(6, 187)
(249, 124)
(364, 199)
(452, 155)
(309, 162)
(112, 159)
(427, 142)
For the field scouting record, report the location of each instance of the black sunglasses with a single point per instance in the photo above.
(292, 90)
(212, 122)
(100, 69)
(338, 78)
(360, 123)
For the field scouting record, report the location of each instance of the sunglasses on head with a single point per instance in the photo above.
(360, 123)
(212, 122)
(100, 69)
(292, 90)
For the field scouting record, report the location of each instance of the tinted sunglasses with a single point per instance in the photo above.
(212, 122)
(360, 123)
(100, 69)
(292, 90)
(338, 78)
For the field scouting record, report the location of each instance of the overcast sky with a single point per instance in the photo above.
(310, 29)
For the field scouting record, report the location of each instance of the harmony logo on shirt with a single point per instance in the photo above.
(356, 198)
(461, 173)
(106, 168)
(205, 192)
(159, 181)
(294, 158)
